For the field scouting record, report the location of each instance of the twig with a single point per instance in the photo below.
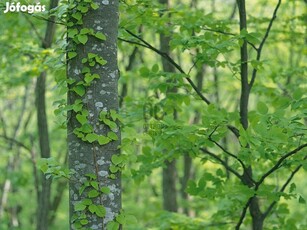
(269, 209)
(168, 58)
(229, 153)
(224, 163)
(243, 213)
(279, 162)
(259, 50)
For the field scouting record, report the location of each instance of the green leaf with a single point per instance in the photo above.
(102, 140)
(82, 38)
(112, 136)
(72, 32)
(155, 68)
(110, 123)
(100, 36)
(117, 159)
(94, 185)
(93, 193)
(94, 6)
(87, 201)
(100, 60)
(77, 15)
(71, 55)
(79, 207)
(113, 169)
(84, 221)
(100, 211)
(81, 118)
(105, 190)
(113, 225)
(91, 55)
(92, 176)
(262, 108)
(91, 137)
(130, 219)
(121, 219)
(79, 89)
(92, 208)
(84, 31)
(301, 200)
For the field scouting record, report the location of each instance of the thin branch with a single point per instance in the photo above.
(224, 163)
(218, 31)
(168, 58)
(259, 50)
(133, 42)
(269, 209)
(229, 153)
(243, 213)
(279, 162)
(18, 143)
(34, 28)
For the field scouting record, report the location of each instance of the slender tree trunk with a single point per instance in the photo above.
(100, 96)
(254, 208)
(169, 171)
(44, 194)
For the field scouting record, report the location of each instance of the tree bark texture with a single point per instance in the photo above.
(44, 192)
(169, 171)
(254, 207)
(101, 95)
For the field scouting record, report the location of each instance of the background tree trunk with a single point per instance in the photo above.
(44, 192)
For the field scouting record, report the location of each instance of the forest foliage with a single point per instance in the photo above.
(228, 153)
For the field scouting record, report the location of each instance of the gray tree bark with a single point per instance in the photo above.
(169, 172)
(42, 123)
(101, 95)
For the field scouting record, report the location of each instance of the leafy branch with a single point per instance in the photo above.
(168, 58)
(273, 169)
(279, 162)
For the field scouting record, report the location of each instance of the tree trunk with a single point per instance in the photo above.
(169, 171)
(44, 193)
(90, 160)
(254, 207)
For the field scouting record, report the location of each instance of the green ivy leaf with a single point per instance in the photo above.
(110, 123)
(117, 159)
(112, 136)
(102, 140)
(71, 55)
(94, 185)
(84, 31)
(94, 6)
(121, 219)
(100, 211)
(77, 15)
(93, 193)
(87, 201)
(82, 38)
(105, 190)
(84, 221)
(100, 36)
(113, 169)
(81, 118)
(92, 176)
(79, 207)
(72, 32)
(79, 89)
(91, 137)
(112, 225)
